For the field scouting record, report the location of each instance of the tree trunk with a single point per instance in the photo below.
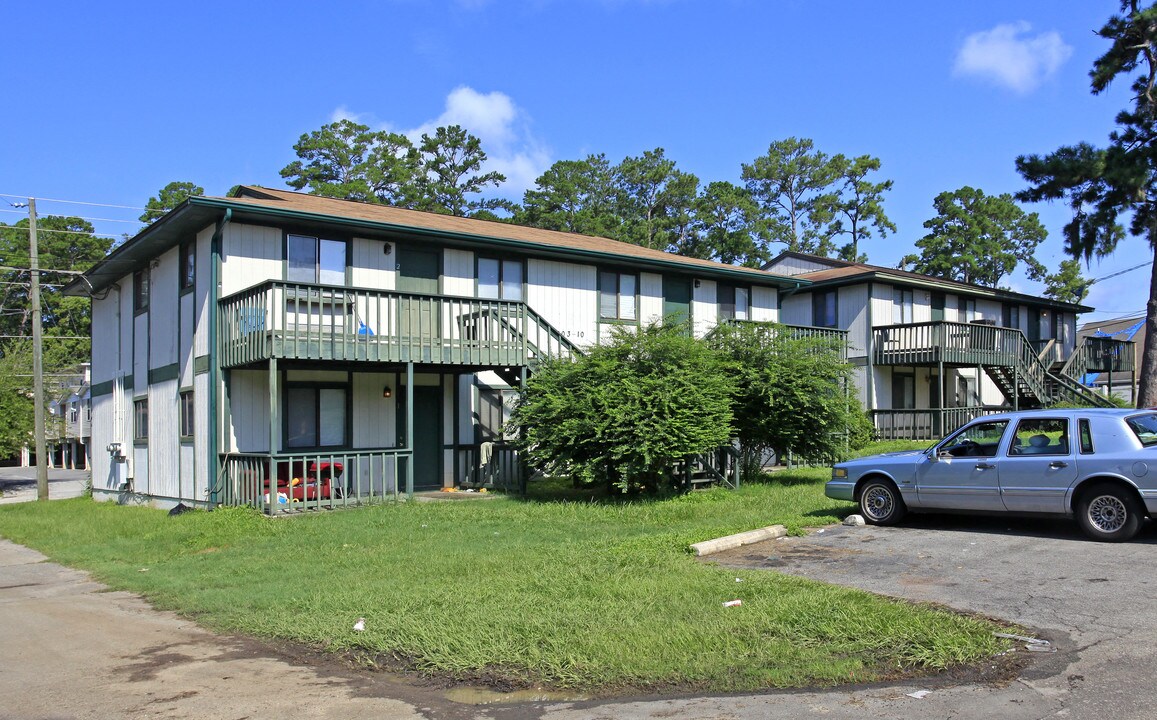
(1147, 391)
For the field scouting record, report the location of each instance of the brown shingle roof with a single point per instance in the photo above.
(283, 200)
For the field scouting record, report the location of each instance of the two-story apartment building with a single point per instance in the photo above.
(277, 348)
(69, 423)
(930, 353)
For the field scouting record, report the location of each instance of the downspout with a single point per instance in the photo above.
(870, 390)
(214, 351)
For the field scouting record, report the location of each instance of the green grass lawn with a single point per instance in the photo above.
(589, 595)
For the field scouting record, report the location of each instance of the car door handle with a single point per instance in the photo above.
(984, 466)
(1057, 465)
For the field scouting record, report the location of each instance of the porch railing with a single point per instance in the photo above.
(322, 322)
(1099, 354)
(491, 465)
(925, 424)
(949, 342)
(310, 481)
(838, 337)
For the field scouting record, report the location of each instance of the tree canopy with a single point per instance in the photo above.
(169, 197)
(1107, 186)
(978, 238)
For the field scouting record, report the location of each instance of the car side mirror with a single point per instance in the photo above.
(933, 456)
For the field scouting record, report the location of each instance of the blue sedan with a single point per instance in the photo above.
(1091, 464)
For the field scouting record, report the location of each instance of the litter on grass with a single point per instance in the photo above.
(733, 603)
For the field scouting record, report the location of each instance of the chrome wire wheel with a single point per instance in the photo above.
(880, 503)
(1107, 513)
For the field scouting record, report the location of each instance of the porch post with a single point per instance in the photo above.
(940, 431)
(410, 427)
(1016, 387)
(274, 434)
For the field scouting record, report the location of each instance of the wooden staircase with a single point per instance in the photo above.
(1030, 382)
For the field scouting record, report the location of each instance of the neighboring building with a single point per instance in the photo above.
(281, 348)
(69, 421)
(931, 354)
(1118, 361)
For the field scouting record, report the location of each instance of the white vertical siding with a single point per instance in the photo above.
(448, 451)
(374, 417)
(764, 304)
(796, 266)
(185, 338)
(704, 307)
(372, 267)
(139, 470)
(989, 310)
(797, 309)
(566, 296)
(250, 255)
(921, 308)
(106, 336)
(650, 298)
(881, 306)
(458, 272)
(164, 445)
(204, 271)
(249, 411)
(852, 307)
(102, 435)
(204, 471)
(163, 298)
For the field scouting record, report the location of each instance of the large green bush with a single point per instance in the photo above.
(628, 411)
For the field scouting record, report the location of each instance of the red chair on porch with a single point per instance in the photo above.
(300, 482)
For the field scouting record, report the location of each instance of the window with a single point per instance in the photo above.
(141, 290)
(493, 413)
(980, 440)
(1145, 428)
(1041, 436)
(188, 265)
(967, 309)
(315, 260)
(141, 420)
(1086, 436)
(88, 409)
(617, 296)
(903, 391)
(500, 279)
(1012, 316)
(186, 413)
(902, 306)
(733, 302)
(315, 416)
(74, 411)
(825, 312)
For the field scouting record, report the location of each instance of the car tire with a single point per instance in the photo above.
(881, 504)
(1109, 513)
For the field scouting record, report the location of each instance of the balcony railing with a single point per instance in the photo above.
(948, 342)
(925, 424)
(320, 322)
(1099, 354)
(838, 337)
(491, 465)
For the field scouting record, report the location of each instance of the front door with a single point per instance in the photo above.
(427, 448)
(419, 315)
(963, 475)
(676, 300)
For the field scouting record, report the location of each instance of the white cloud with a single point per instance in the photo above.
(1008, 56)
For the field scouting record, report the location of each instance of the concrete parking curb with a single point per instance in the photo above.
(733, 541)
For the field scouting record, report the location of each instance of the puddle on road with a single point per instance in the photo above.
(482, 696)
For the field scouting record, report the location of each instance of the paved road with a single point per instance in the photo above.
(71, 649)
(18, 484)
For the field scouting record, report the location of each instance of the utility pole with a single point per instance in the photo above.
(37, 356)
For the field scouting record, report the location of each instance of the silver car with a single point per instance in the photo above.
(1092, 464)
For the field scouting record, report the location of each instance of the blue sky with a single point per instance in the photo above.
(108, 102)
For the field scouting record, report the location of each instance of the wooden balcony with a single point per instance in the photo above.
(319, 322)
(951, 343)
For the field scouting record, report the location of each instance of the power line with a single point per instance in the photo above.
(75, 202)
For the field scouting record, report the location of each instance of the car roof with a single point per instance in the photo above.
(1067, 412)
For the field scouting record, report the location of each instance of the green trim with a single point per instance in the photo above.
(106, 387)
(164, 374)
(751, 275)
(200, 364)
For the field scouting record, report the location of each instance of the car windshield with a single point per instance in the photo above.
(1145, 427)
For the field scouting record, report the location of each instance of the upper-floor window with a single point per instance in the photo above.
(617, 299)
(733, 302)
(825, 309)
(902, 306)
(73, 411)
(1011, 317)
(188, 265)
(967, 309)
(315, 260)
(141, 290)
(500, 279)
